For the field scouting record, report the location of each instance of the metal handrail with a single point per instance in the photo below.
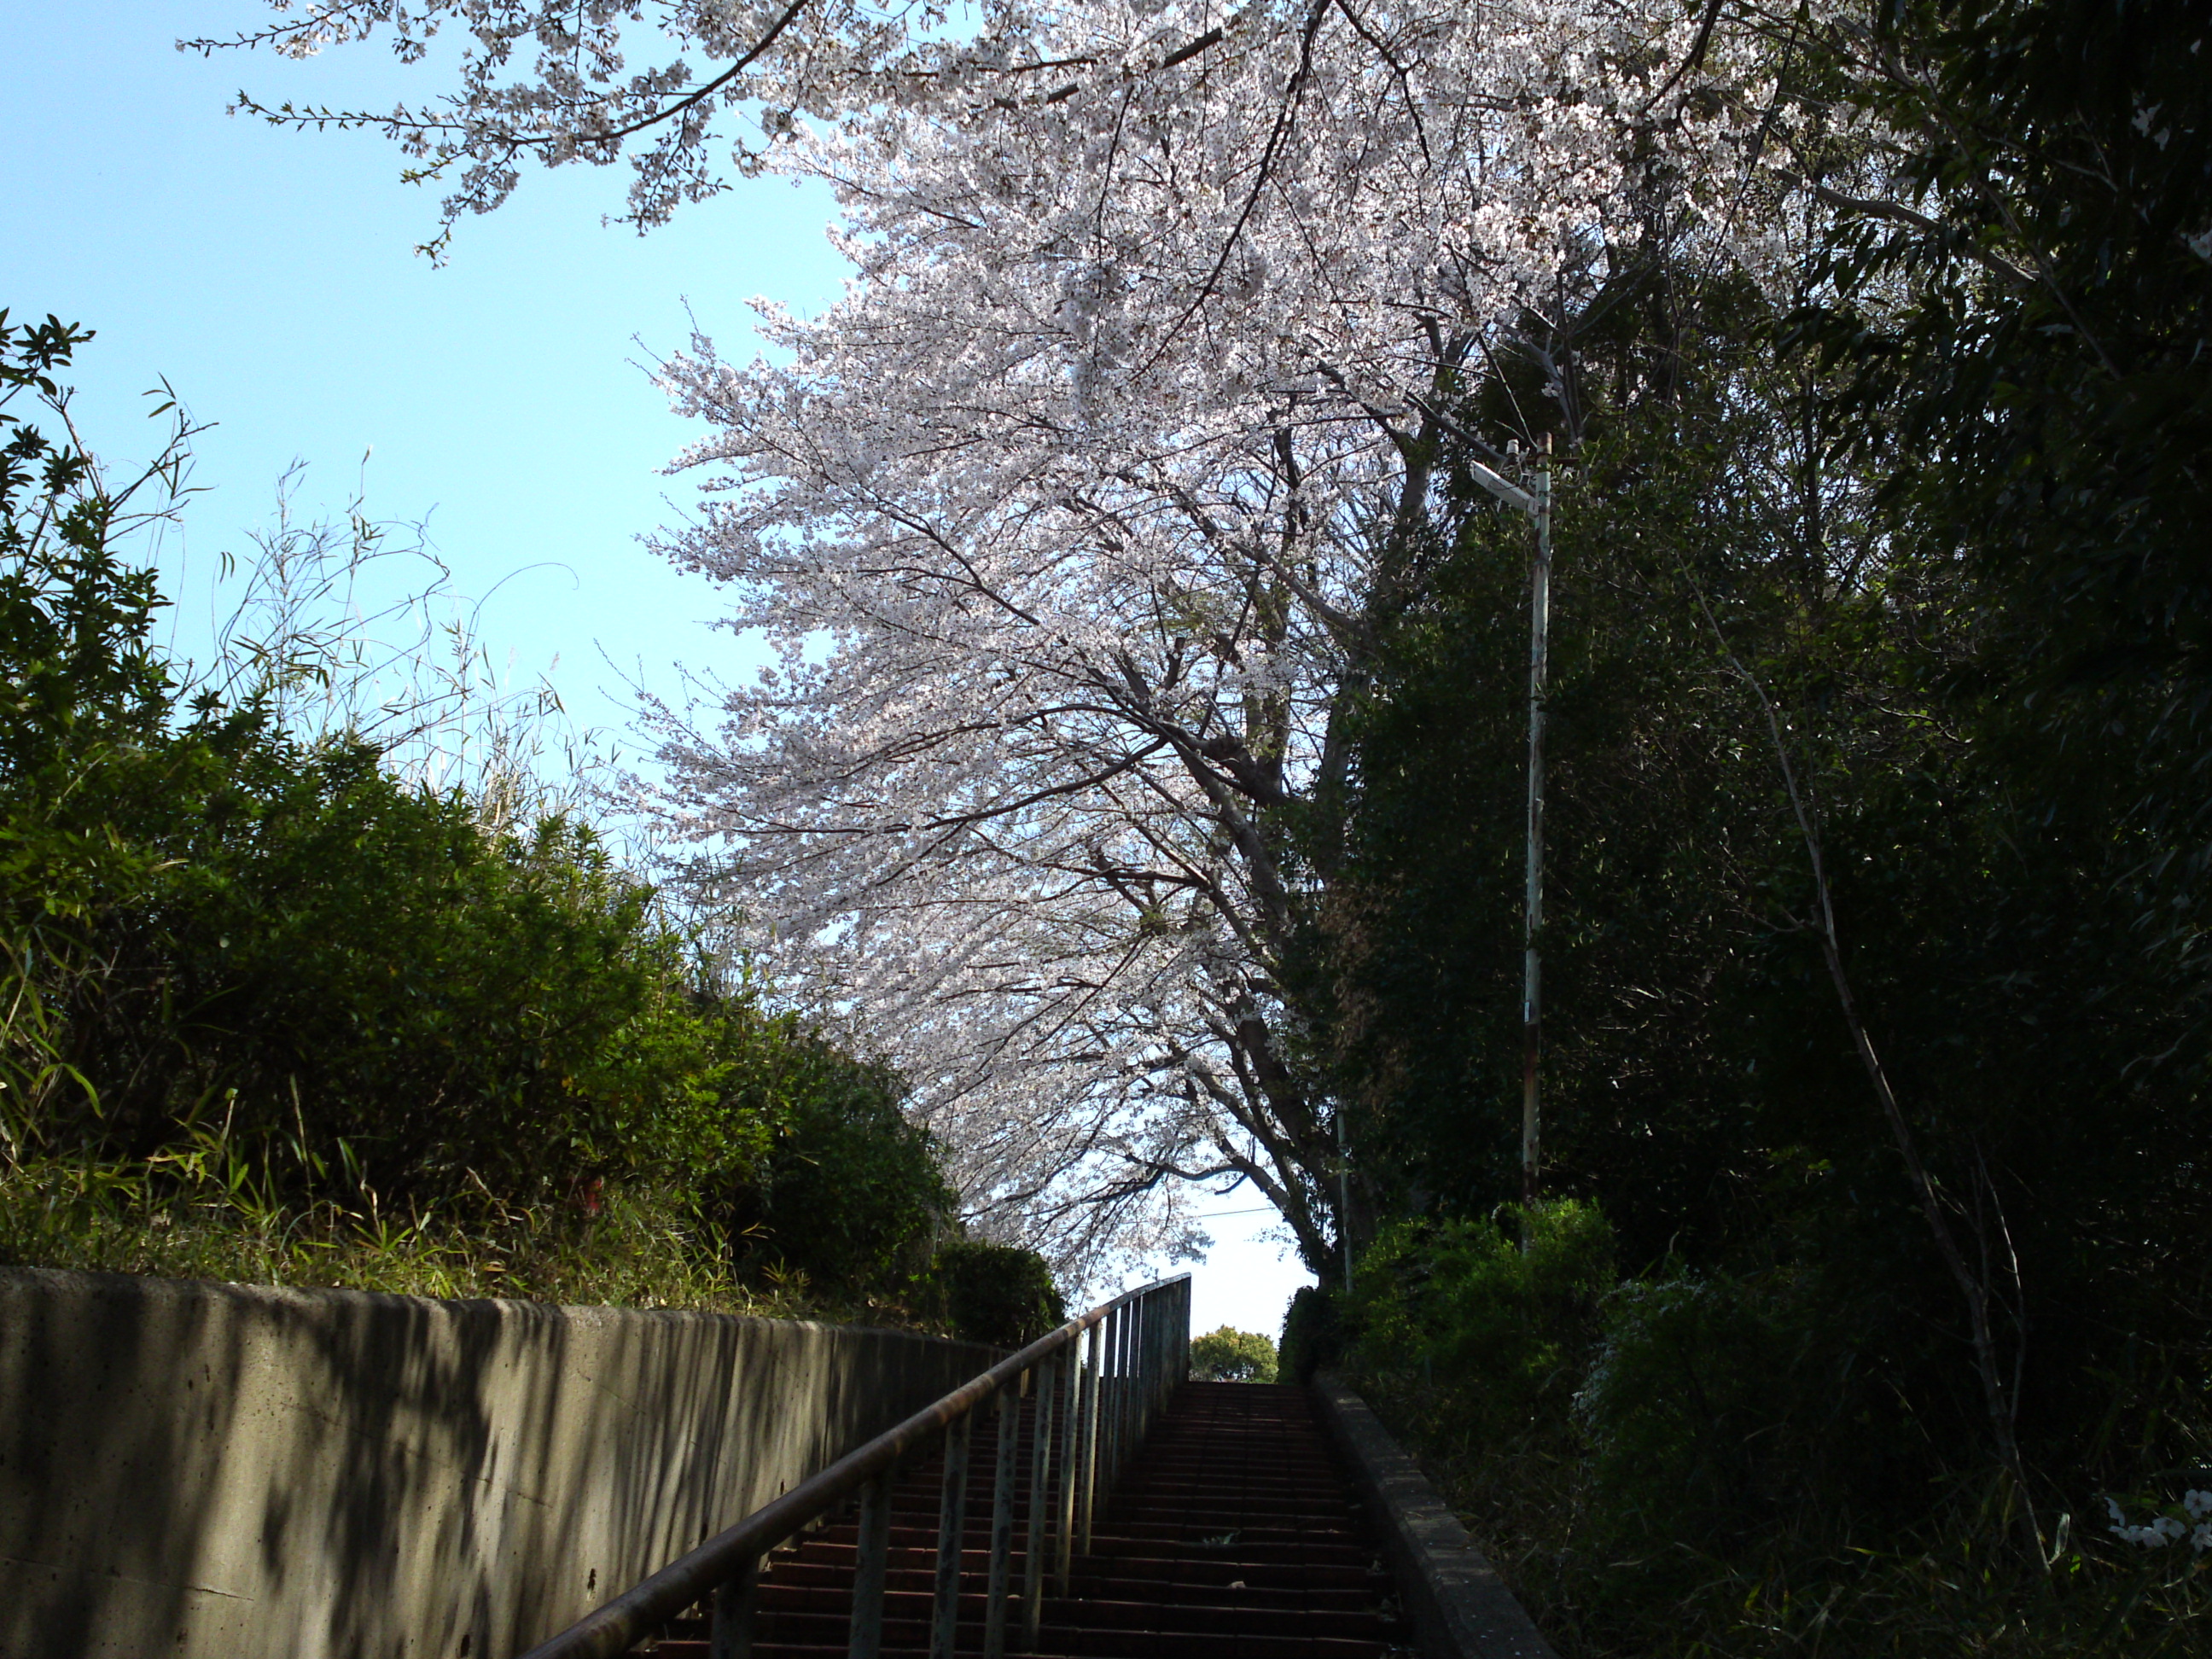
(1139, 1346)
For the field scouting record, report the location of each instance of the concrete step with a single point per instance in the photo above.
(1234, 1534)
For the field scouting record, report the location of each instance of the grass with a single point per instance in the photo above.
(1957, 1586)
(207, 1212)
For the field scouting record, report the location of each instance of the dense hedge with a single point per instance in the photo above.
(219, 941)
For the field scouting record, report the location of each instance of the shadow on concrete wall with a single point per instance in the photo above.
(192, 1469)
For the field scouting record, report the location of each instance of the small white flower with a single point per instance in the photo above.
(2198, 1503)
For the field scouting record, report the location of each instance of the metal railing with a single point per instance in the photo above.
(1092, 1409)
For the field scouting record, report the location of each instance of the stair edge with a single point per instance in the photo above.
(1457, 1603)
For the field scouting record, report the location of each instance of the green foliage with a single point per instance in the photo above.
(1313, 1338)
(1942, 510)
(74, 621)
(1792, 1387)
(998, 1294)
(296, 946)
(1717, 1406)
(321, 953)
(236, 962)
(1667, 831)
(205, 1211)
(1496, 1331)
(2045, 1040)
(1705, 1466)
(2045, 424)
(850, 1193)
(1227, 1355)
(1942, 1585)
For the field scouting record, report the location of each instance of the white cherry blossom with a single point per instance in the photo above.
(1068, 520)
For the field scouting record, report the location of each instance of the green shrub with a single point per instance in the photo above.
(312, 954)
(206, 924)
(1232, 1356)
(1495, 1332)
(851, 1194)
(1714, 1406)
(377, 1001)
(998, 1294)
(1312, 1334)
(204, 1212)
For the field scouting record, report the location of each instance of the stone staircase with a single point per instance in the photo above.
(1234, 1534)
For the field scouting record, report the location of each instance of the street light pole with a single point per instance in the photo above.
(1537, 504)
(1532, 903)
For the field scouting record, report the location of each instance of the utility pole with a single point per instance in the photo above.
(1532, 901)
(1537, 504)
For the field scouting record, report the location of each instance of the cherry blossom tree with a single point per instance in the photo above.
(580, 99)
(551, 82)
(1069, 521)
(1125, 429)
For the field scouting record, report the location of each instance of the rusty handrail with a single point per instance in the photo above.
(1150, 1361)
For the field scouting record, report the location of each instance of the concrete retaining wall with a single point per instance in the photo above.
(230, 1472)
(1460, 1606)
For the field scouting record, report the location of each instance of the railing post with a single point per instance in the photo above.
(1149, 1389)
(1127, 1332)
(1141, 1405)
(1070, 1462)
(1147, 1317)
(871, 1562)
(1182, 1347)
(1140, 1410)
(1083, 1502)
(1159, 1359)
(1002, 1525)
(1109, 1346)
(1141, 1345)
(1169, 1304)
(1176, 1324)
(951, 1521)
(1125, 1320)
(1041, 1427)
(1178, 1341)
(1140, 1338)
(731, 1635)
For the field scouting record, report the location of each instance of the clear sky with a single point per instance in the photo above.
(270, 278)
(1248, 1278)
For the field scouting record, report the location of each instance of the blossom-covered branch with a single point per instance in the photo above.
(1067, 521)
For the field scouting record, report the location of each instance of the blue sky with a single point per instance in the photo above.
(270, 278)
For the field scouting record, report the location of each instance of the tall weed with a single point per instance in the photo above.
(207, 1210)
